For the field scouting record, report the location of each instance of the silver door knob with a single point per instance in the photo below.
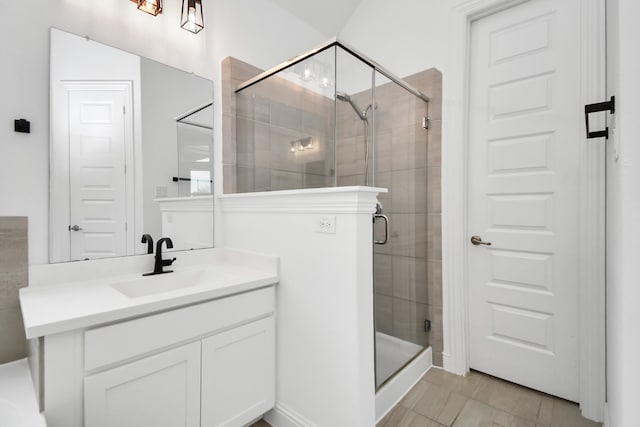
(477, 240)
(75, 228)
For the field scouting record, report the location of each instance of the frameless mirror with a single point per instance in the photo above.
(130, 152)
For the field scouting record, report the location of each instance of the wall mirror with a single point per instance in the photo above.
(131, 152)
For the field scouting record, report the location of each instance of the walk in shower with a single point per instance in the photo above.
(334, 118)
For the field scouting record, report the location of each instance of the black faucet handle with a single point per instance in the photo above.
(167, 262)
(146, 238)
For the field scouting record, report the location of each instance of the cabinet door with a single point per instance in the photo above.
(238, 374)
(160, 391)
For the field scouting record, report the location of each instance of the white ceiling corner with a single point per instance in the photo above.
(326, 16)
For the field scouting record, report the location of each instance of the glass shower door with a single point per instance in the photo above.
(400, 276)
(195, 152)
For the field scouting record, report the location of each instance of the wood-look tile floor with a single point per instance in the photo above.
(442, 399)
(478, 400)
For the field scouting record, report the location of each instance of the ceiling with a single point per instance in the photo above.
(326, 16)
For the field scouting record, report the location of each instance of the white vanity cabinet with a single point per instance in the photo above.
(160, 391)
(209, 364)
(238, 375)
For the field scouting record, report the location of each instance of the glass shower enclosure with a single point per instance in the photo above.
(195, 151)
(332, 117)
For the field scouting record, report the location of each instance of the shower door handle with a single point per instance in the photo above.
(386, 229)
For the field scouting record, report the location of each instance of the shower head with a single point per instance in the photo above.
(345, 97)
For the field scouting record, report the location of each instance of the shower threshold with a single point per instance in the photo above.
(399, 366)
(391, 355)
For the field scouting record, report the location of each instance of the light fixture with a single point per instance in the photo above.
(306, 143)
(191, 18)
(152, 7)
(301, 144)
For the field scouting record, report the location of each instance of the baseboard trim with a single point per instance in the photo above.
(283, 416)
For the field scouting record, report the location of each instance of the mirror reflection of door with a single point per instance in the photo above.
(91, 195)
(97, 160)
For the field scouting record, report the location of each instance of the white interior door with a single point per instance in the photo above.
(525, 127)
(97, 183)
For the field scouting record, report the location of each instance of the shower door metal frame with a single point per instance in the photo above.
(327, 45)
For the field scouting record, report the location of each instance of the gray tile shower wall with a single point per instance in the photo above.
(234, 72)
(13, 276)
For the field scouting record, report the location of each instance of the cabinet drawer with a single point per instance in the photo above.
(121, 341)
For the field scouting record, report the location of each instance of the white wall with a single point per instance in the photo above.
(256, 31)
(623, 214)
(404, 36)
(324, 304)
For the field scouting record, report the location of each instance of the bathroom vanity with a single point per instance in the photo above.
(195, 347)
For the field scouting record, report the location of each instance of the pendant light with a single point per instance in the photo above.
(152, 7)
(191, 18)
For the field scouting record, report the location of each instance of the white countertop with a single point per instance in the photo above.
(87, 300)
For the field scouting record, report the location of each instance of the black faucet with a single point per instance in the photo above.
(146, 238)
(160, 263)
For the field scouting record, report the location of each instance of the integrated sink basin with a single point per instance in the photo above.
(160, 283)
(70, 296)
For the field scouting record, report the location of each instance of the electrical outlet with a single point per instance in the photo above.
(326, 224)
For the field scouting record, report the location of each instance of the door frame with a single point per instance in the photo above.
(591, 195)
(59, 164)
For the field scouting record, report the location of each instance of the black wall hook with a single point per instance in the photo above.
(594, 108)
(22, 126)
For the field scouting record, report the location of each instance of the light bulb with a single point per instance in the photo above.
(307, 74)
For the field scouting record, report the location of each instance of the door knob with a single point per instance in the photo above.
(75, 228)
(477, 240)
